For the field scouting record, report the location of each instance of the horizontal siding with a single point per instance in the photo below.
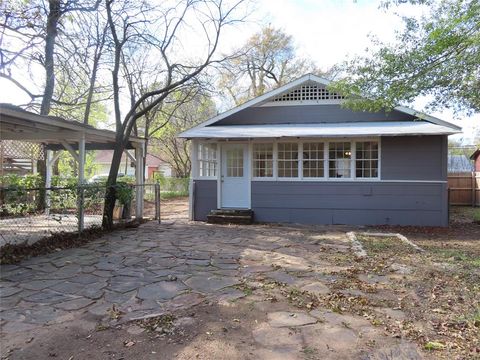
(414, 158)
(308, 114)
(205, 192)
(350, 203)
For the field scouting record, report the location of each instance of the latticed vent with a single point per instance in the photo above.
(309, 92)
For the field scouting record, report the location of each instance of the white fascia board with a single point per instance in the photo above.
(430, 118)
(257, 100)
(320, 130)
(293, 84)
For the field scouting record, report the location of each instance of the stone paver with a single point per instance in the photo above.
(156, 269)
(289, 319)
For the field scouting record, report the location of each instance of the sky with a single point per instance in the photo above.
(326, 31)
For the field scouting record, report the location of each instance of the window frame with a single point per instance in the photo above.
(326, 159)
(199, 160)
(274, 161)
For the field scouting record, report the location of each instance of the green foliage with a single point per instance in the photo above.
(172, 187)
(437, 56)
(124, 192)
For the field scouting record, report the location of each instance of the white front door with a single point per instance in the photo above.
(235, 177)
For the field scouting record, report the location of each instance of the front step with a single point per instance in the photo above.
(230, 216)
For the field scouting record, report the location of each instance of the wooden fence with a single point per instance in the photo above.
(464, 189)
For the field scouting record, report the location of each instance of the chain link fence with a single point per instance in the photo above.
(26, 218)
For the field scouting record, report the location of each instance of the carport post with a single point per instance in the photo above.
(48, 180)
(81, 181)
(139, 174)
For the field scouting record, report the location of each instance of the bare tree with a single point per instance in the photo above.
(184, 109)
(36, 24)
(158, 28)
(266, 61)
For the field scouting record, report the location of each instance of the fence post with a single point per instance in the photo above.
(474, 185)
(80, 208)
(157, 203)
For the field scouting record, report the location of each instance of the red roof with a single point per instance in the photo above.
(105, 157)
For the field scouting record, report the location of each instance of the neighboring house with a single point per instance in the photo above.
(295, 155)
(459, 164)
(153, 164)
(476, 160)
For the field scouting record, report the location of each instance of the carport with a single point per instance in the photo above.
(58, 134)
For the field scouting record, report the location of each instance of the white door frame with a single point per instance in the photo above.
(246, 166)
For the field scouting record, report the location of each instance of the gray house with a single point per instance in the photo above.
(295, 155)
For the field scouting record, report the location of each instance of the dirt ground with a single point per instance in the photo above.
(396, 303)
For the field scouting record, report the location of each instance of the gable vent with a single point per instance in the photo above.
(308, 93)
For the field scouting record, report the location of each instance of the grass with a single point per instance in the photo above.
(380, 244)
(172, 194)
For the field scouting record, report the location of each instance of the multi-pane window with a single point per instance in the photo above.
(234, 162)
(263, 160)
(313, 160)
(207, 160)
(366, 153)
(287, 160)
(339, 159)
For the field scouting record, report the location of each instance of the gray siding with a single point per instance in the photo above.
(307, 114)
(414, 158)
(351, 203)
(205, 198)
(422, 158)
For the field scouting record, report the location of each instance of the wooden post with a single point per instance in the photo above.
(473, 189)
(139, 174)
(157, 203)
(81, 181)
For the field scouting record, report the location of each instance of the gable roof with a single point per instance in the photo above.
(294, 84)
(475, 154)
(106, 156)
(459, 164)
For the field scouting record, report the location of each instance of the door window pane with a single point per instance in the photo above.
(234, 162)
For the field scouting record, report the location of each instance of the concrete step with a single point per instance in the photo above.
(230, 216)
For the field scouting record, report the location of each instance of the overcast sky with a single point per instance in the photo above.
(327, 31)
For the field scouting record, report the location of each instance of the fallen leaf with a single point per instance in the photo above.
(129, 343)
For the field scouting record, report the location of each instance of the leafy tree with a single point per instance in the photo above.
(436, 56)
(266, 61)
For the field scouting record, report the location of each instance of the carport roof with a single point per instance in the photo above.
(22, 125)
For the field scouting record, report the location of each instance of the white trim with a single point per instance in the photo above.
(219, 175)
(300, 102)
(295, 83)
(359, 180)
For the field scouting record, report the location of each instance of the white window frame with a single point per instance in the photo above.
(299, 159)
(378, 177)
(326, 164)
(198, 159)
(274, 161)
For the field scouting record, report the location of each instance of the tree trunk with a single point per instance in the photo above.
(110, 194)
(54, 14)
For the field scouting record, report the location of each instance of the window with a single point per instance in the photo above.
(207, 160)
(366, 154)
(288, 160)
(313, 160)
(339, 155)
(263, 160)
(234, 162)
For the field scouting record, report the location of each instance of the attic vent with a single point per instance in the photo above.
(309, 92)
